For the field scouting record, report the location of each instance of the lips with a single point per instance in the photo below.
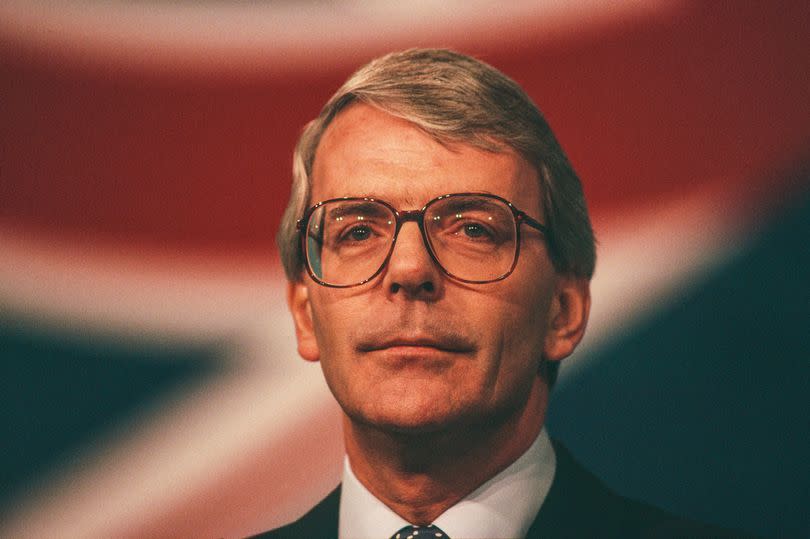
(445, 343)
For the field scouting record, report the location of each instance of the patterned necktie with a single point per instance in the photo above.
(420, 532)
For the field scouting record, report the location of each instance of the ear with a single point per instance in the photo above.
(298, 302)
(570, 308)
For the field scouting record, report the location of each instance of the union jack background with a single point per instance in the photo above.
(150, 384)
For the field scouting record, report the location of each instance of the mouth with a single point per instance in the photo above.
(416, 344)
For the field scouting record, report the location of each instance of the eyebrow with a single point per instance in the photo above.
(461, 204)
(363, 207)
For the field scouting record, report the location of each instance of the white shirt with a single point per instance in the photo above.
(502, 508)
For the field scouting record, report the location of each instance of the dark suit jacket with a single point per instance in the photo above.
(577, 505)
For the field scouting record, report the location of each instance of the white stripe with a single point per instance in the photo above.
(273, 36)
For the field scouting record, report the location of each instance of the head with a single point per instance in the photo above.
(408, 127)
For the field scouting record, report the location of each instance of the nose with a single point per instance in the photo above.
(411, 271)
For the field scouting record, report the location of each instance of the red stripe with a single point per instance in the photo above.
(646, 111)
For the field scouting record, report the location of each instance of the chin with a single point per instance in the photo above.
(408, 425)
(414, 413)
(412, 416)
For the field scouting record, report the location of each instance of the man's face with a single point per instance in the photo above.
(414, 350)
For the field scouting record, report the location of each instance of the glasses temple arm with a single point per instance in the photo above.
(300, 226)
(534, 223)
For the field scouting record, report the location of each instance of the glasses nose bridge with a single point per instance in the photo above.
(405, 216)
(410, 215)
(416, 216)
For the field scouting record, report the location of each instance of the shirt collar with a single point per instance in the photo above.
(503, 507)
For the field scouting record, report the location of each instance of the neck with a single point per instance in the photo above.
(421, 475)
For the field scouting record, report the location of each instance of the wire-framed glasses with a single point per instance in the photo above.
(473, 237)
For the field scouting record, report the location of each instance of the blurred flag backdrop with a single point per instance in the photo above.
(150, 385)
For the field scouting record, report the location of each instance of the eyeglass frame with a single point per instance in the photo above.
(418, 216)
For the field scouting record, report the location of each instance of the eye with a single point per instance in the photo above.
(475, 230)
(357, 233)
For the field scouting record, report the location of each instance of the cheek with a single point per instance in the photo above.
(329, 323)
(325, 325)
(524, 326)
(330, 333)
(522, 341)
(318, 326)
(335, 319)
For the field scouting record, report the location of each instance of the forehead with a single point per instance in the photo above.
(368, 152)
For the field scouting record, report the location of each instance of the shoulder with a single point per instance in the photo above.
(321, 522)
(580, 505)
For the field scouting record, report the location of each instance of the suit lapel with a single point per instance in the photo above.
(577, 504)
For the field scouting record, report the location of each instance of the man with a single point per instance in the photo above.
(439, 253)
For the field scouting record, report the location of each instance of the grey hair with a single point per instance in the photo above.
(455, 99)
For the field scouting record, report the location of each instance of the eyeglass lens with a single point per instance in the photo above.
(472, 237)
